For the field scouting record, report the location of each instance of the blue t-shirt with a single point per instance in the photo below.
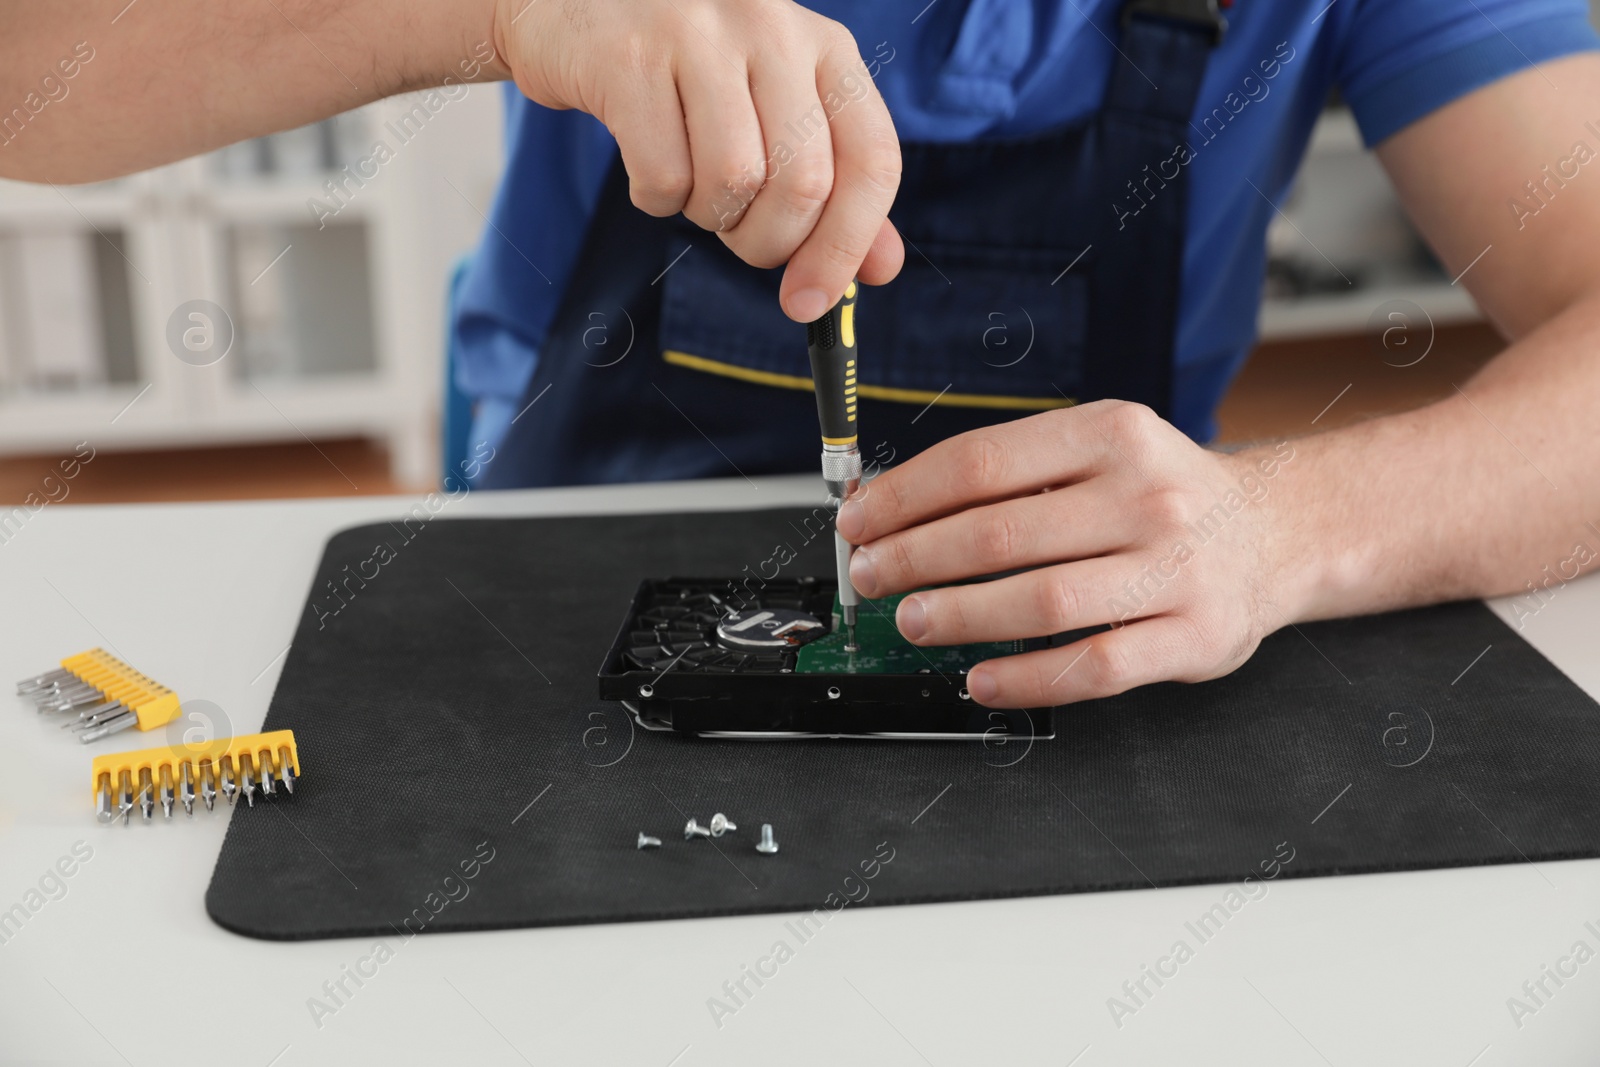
(956, 70)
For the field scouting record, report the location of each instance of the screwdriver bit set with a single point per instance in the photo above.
(231, 766)
(102, 694)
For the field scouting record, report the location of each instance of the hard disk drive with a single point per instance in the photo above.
(718, 657)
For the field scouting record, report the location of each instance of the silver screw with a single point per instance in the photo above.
(720, 825)
(767, 847)
(646, 841)
(693, 830)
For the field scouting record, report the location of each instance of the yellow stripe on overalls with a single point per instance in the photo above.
(872, 392)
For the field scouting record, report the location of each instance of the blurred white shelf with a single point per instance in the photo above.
(103, 203)
(1341, 313)
(1343, 210)
(337, 299)
(287, 200)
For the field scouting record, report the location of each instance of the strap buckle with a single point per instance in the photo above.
(1202, 14)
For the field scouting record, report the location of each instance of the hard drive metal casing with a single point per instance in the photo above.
(686, 681)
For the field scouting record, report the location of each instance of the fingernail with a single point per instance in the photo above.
(852, 521)
(982, 687)
(912, 619)
(808, 305)
(861, 574)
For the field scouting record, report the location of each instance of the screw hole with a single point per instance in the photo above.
(833, 693)
(964, 695)
(647, 691)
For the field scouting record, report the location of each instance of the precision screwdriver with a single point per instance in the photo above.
(831, 341)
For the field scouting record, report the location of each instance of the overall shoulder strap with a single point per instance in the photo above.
(1137, 279)
(1166, 45)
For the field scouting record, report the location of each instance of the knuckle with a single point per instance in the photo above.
(1129, 421)
(759, 251)
(807, 183)
(999, 536)
(884, 165)
(981, 464)
(1167, 508)
(881, 169)
(1059, 604)
(885, 514)
(836, 36)
(898, 560)
(662, 190)
(950, 618)
(1111, 665)
(707, 17)
(739, 178)
(842, 253)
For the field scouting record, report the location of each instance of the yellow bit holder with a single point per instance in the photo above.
(264, 750)
(150, 701)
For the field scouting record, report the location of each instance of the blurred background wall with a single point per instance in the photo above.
(268, 320)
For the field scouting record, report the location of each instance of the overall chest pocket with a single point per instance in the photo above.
(975, 325)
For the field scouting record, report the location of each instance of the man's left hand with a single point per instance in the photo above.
(1113, 516)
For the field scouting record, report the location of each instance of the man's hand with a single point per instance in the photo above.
(755, 118)
(1120, 519)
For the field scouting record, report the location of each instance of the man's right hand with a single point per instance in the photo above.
(755, 118)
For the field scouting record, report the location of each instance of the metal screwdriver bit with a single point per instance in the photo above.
(186, 788)
(247, 781)
(693, 830)
(93, 715)
(285, 770)
(229, 787)
(208, 785)
(114, 725)
(125, 797)
(166, 790)
(102, 799)
(646, 841)
(147, 798)
(41, 681)
(269, 788)
(67, 699)
(55, 689)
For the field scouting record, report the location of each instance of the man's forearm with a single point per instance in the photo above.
(169, 79)
(1475, 495)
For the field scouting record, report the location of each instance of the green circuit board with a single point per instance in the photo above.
(884, 651)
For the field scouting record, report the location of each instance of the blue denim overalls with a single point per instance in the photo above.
(669, 358)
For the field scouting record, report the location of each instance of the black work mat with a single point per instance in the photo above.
(443, 701)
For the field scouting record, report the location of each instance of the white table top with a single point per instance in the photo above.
(126, 967)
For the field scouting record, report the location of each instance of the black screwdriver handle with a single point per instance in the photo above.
(831, 341)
